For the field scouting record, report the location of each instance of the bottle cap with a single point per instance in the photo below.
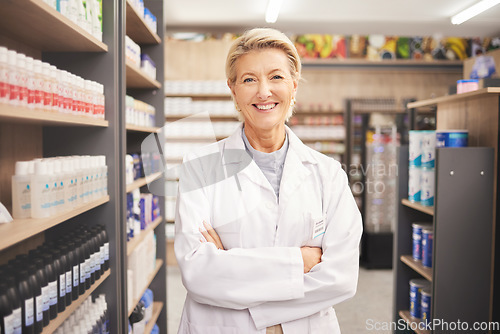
(11, 57)
(41, 168)
(21, 60)
(3, 54)
(57, 163)
(22, 168)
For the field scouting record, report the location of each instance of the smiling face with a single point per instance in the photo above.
(264, 89)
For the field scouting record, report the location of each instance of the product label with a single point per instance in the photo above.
(17, 321)
(101, 252)
(106, 251)
(4, 85)
(8, 323)
(69, 281)
(55, 96)
(39, 307)
(45, 298)
(47, 94)
(23, 88)
(76, 276)
(29, 311)
(87, 269)
(53, 293)
(82, 272)
(62, 285)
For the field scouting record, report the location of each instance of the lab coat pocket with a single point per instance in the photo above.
(315, 227)
(324, 322)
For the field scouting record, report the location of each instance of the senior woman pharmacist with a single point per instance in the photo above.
(267, 229)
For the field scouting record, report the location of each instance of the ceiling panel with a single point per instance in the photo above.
(398, 17)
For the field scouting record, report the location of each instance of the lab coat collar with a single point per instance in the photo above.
(235, 142)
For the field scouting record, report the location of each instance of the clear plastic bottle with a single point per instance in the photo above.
(4, 76)
(67, 96)
(21, 191)
(13, 78)
(40, 191)
(23, 79)
(59, 185)
(30, 82)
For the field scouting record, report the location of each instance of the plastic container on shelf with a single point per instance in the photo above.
(417, 239)
(427, 245)
(416, 286)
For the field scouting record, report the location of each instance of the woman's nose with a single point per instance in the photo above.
(264, 90)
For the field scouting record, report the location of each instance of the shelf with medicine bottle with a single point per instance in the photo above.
(462, 220)
(143, 223)
(58, 123)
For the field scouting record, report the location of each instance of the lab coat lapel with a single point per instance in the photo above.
(235, 160)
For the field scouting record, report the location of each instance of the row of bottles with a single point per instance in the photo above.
(35, 84)
(46, 187)
(88, 318)
(35, 287)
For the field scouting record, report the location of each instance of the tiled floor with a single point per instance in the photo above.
(372, 303)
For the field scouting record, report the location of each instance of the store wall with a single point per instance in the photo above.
(186, 60)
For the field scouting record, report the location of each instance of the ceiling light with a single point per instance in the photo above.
(473, 10)
(273, 10)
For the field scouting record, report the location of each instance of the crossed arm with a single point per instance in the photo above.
(311, 256)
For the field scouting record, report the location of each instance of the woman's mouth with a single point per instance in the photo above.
(265, 107)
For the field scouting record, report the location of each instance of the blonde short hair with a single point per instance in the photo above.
(260, 39)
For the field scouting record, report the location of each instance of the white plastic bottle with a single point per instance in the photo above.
(4, 76)
(78, 180)
(30, 82)
(22, 79)
(40, 191)
(13, 77)
(47, 87)
(54, 186)
(21, 191)
(84, 165)
(39, 84)
(55, 78)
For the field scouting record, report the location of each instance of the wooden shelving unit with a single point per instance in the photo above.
(148, 90)
(61, 317)
(137, 29)
(157, 308)
(37, 24)
(416, 265)
(132, 244)
(413, 322)
(25, 115)
(138, 128)
(425, 209)
(385, 63)
(207, 96)
(22, 229)
(483, 92)
(136, 78)
(142, 182)
(151, 277)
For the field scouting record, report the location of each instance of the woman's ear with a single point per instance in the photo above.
(231, 86)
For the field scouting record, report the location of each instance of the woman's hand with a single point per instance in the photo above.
(311, 257)
(211, 236)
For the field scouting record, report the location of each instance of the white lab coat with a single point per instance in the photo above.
(259, 281)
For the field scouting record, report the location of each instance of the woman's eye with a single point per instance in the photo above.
(248, 80)
(277, 77)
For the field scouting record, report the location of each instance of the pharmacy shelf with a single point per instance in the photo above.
(312, 140)
(35, 23)
(138, 128)
(134, 242)
(21, 229)
(385, 63)
(306, 113)
(38, 116)
(157, 307)
(456, 97)
(417, 265)
(195, 138)
(413, 322)
(142, 182)
(425, 209)
(151, 277)
(137, 29)
(171, 118)
(136, 78)
(61, 317)
(200, 95)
